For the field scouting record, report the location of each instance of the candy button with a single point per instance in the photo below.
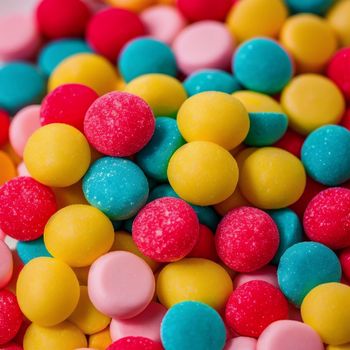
(6, 264)
(100, 340)
(267, 273)
(30, 250)
(339, 19)
(257, 102)
(241, 343)
(8, 170)
(132, 5)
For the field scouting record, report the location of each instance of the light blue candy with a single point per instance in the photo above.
(116, 186)
(192, 325)
(31, 250)
(318, 7)
(21, 84)
(326, 156)
(211, 80)
(262, 65)
(303, 267)
(266, 128)
(154, 158)
(144, 56)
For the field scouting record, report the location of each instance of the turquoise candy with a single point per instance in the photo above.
(31, 249)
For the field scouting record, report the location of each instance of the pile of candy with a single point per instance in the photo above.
(176, 175)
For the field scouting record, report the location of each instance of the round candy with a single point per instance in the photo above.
(8, 170)
(272, 178)
(291, 142)
(339, 347)
(338, 18)
(327, 310)
(166, 229)
(6, 264)
(303, 267)
(192, 43)
(16, 198)
(116, 186)
(213, 116)
(344, 258)
(110, 29)
(203, 158)
(135, 343)
(257, 102)
(267, 273)
(193, 325)
(121, 285)
(253, 306)
(69, 195)
(73, 231)
(262, 65)
(205, 246)
(67, 104)
(11, 346)
(246, 239)
(100, 340)
(30, 250)
(132, 5)
(241, 343)
(4, 127)
(318, 7)
(47, 291)
(119, 124)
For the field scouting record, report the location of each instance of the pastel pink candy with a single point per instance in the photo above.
(120, 284)
(289, 335)
(205, 44)
(23, 125)
(146, 324)
(6, 264)
(241, 343)
(267, 273)
(22, 170)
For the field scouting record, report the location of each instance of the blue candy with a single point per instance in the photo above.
(325, 155)
(31, 250)
(303, 267)
(318, 7)
(116, 186)
(192, 325)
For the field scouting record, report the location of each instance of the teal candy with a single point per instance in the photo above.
(56, 51)
(116, 186)
(21, 84)
(192, 325)
(31, 250)
(318, 7)
(266, 128)
(303, 267)
(144, 56)
(211, 80)
(262, 65)
(326, 156)
(154, 158)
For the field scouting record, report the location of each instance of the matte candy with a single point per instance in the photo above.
(132, 5)
(30, 250)
(257, 102)
(241, 343)
(4, 127)
(318, 7)
(6, 264)
(8, 170)
(338, 18)
(135, 343)
(100, 340)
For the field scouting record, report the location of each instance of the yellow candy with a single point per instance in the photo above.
(272, 178)
(69, 195)
(257, 102)
(236, 200)
(339, 19)
(64, 336)
(250, 18)
(327, 310)
(57, 155)
(78, 235)
(310, 40)
(88, 69)
(163, 93)
(213, 116)
(194, 279)
(82, 274)
(203, 173)
(339, 347)
(132, 5)
(100, 340)
(47, 291)
(7, 168)
(311, 100)
(86, 316)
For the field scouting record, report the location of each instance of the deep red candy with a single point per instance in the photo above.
(10, 346)
(4, 127)
(346, 119)
(135, 343)
(344, 258)
(166, 229)
(253, 306)
(246, 239)
(291, 142)
(25, 207)
(327, 218)
(67, 104)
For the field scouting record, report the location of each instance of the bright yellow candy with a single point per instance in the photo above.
(88, 69)
(272, 178)
(163, 93)
(78, 235)
(64, 336)
(311, 100)
(257, 102)
(7, 168)
(57, 155)
(213, 116)
(236, 200)
(250, 18)
(339, 19)
(203, 173)
(100, 340)
(327, 310)
(310, 40)
(339, 347)
(132, 5)
(47, 291)
(194, 279)
(69, 195)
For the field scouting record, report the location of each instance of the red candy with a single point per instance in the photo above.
(291, 142)
(346, 119)
(67, 104)
(344, 258)
(62, 18)
(10, 346)
(166, 229)
(25, 207)
(327, 218)
(253, 306)
(119, 124)
(109, 30)
(135, 343)
(4, 127)
(246, 239)
(10, 316)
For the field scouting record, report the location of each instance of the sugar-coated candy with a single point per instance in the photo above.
(267, 273)
(318, 7)
(166, 229)
(100, 340)
(338, 18)
(193, 325)
(135, 343)
(18, 196)
(4, 127)
(29, 250)
(241, 343)
(8, 170)
(205, 246)
(6, 264)
(291, 142)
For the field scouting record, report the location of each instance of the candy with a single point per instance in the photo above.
(4, 127)
(291, 142)
(344, 258)
(135, 343)
(30, 250)
(6, 264)
(267, 273)
(132, 5)
(241, 343)
(100, 340)
(318, 7)
(338, 18)
(205, 246)
(69, 195)
(8, 170)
